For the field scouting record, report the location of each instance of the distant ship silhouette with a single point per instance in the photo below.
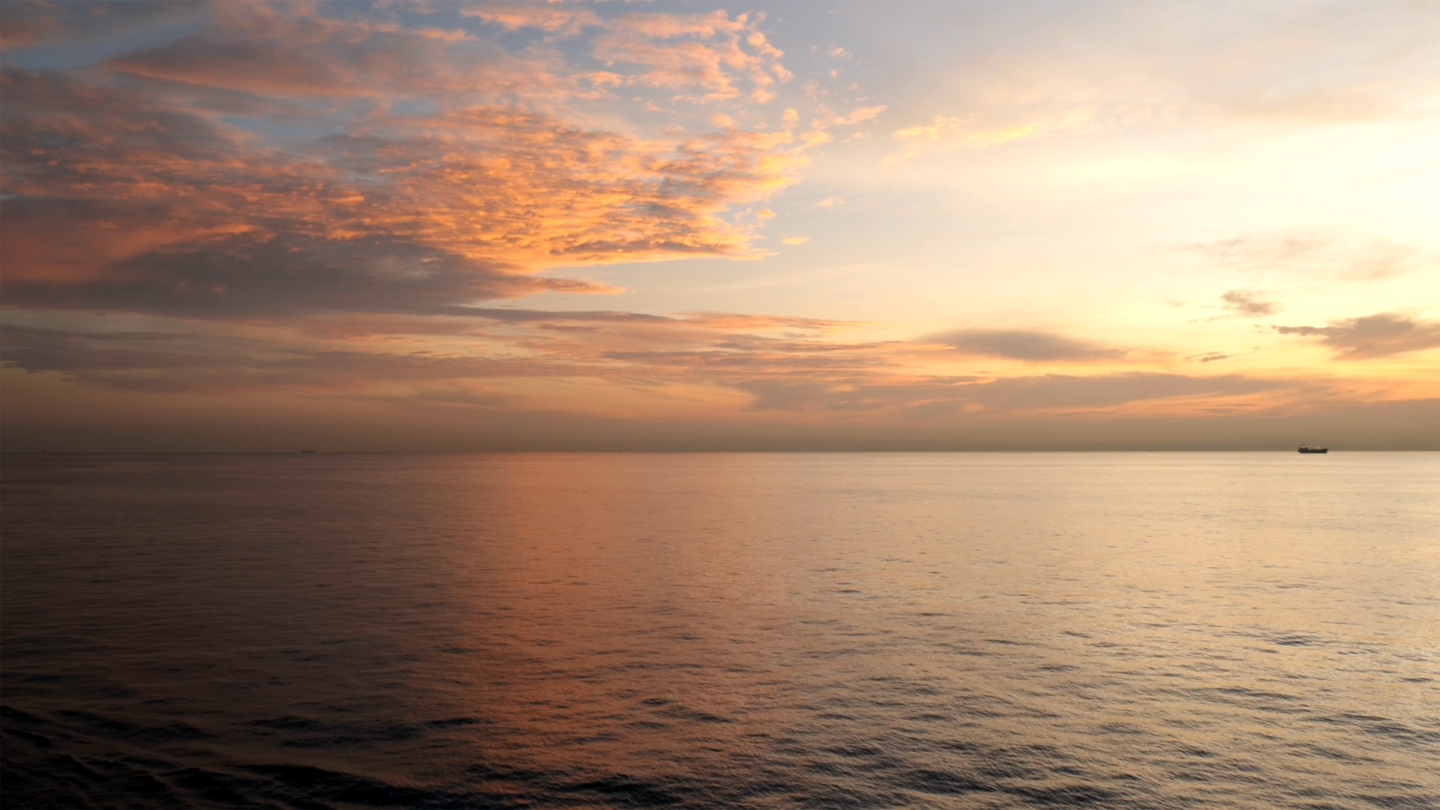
(307, 451)
(1305, 449)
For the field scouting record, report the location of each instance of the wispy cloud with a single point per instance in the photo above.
(1250, 303)
(1312, 254)
(1030, 346)
(945, 134)
(28, 23)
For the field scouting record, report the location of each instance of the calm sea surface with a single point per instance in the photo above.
(1186, 630)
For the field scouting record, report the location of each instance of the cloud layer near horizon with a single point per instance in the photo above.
(704, 363)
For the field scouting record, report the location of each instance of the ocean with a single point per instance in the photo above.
(847, 630)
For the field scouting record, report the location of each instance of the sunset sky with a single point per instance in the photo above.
(465, 226)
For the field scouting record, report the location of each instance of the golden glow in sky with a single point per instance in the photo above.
(452, 226)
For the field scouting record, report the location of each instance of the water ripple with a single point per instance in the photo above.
(828, 631)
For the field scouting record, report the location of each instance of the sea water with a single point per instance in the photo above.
(1167, 630)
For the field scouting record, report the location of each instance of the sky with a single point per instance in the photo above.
(419, 225)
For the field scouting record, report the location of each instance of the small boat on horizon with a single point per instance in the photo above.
(307, 451)
(1306, 449)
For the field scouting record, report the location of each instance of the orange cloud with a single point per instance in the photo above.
(946, 133)
(855, 116)
(705, 51)
(133, 187)
(546, 18)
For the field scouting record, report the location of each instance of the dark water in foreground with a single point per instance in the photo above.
(868, 630)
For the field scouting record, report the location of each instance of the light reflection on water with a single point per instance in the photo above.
(828, 630)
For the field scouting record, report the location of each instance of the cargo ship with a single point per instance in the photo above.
(1306, 449)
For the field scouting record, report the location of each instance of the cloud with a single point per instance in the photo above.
(954, 129)
(858, 115)
(718, 321)
(550, 19)
(1381, 335)
(1248, 252)
(344, 303)
(736, 321)
(130, 190)
(1209, 357)
(284, 275)
(294, 51)
(956, 395)
(515, 363)
(779, 373)
(794, 240)
(855, 395)
(1312, 255)
(708, 53)
(1056, 391)
(1250, 303)
(946, 134)
(1030, 346)
(28, 23)
(353, 350)
(191, 363)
